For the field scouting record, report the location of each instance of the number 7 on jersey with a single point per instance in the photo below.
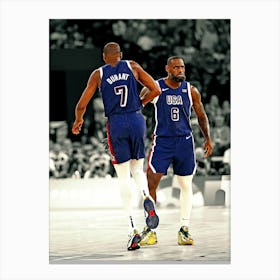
(122, 91)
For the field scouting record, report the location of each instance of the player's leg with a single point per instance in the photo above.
(153, 182)
(158, 162)
(184, 167)
(123, 173)
(137, 151)
(137, 140)
(148, 236)
(136, 168)
(119, 145)
(137, 172)
(186, 197)
(159, 159)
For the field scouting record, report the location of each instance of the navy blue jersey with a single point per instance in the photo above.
(119, 89)
(173, 110)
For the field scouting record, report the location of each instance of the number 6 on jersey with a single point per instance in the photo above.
(175, 114)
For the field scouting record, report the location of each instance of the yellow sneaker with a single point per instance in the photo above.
(148, 237)
(184, 237)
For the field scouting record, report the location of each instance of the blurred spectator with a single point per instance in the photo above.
(197, 134)
(75, 37)
(67, 147)
(58, 37)
(209, 38)
(202, 163)
(99, 130)
(221, 136)
(212, 108)
(88, 43)
(99, 164)
(148, 40)
(225, 170)
(119, 28)
(226, 112)
(78, 162)
(59, 162)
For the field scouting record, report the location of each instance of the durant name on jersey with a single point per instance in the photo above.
(117, 77)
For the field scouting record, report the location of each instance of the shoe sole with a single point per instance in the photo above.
(186, 244)
(152, 220)
(148, 244)
(134, 243)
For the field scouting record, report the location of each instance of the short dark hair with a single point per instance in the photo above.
(112, 48)
(173, 57)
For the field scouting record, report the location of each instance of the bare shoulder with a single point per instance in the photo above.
(134, 65)
(194, 90)
(132, 62)
(196, 96)
(95, 73)
(95, 77)
(136, 69)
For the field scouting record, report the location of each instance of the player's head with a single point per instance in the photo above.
(111, 50)
(175, 68)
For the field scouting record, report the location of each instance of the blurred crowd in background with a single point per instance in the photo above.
(205, 47)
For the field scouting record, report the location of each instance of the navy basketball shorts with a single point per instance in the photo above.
(178, 151)
(126, 134)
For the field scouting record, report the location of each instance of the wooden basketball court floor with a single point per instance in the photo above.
(89, 236)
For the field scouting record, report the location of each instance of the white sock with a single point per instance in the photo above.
(186, 195)
(137, 172)
(123, 173)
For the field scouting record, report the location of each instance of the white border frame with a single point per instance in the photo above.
(255, 137)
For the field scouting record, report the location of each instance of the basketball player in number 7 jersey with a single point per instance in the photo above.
(126, 128)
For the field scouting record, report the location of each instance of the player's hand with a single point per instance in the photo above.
(208, 148)
(77, 126)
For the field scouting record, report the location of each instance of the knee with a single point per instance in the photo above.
(136, 171)
(136, 167)
(185, 182)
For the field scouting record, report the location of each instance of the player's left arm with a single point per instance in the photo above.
(202, 120)
(147, 80)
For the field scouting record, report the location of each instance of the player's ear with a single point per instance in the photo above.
(121, 55)
(166, 68)
(104, 57)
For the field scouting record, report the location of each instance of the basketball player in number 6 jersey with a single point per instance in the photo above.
(173, 142)
(126, 128)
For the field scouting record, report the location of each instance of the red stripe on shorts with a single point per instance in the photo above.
(114, 160)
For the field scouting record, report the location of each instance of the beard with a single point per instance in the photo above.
(177, 79)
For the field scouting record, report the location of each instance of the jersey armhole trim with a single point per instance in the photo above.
(189, 93)
(129, 65)
(155, 100)
(101, 75)
(100, 72)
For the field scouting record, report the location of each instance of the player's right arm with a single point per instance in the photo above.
(146, 80)
(92, 84)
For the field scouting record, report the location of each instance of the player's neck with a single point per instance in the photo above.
(113, 61)
(171, 83)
